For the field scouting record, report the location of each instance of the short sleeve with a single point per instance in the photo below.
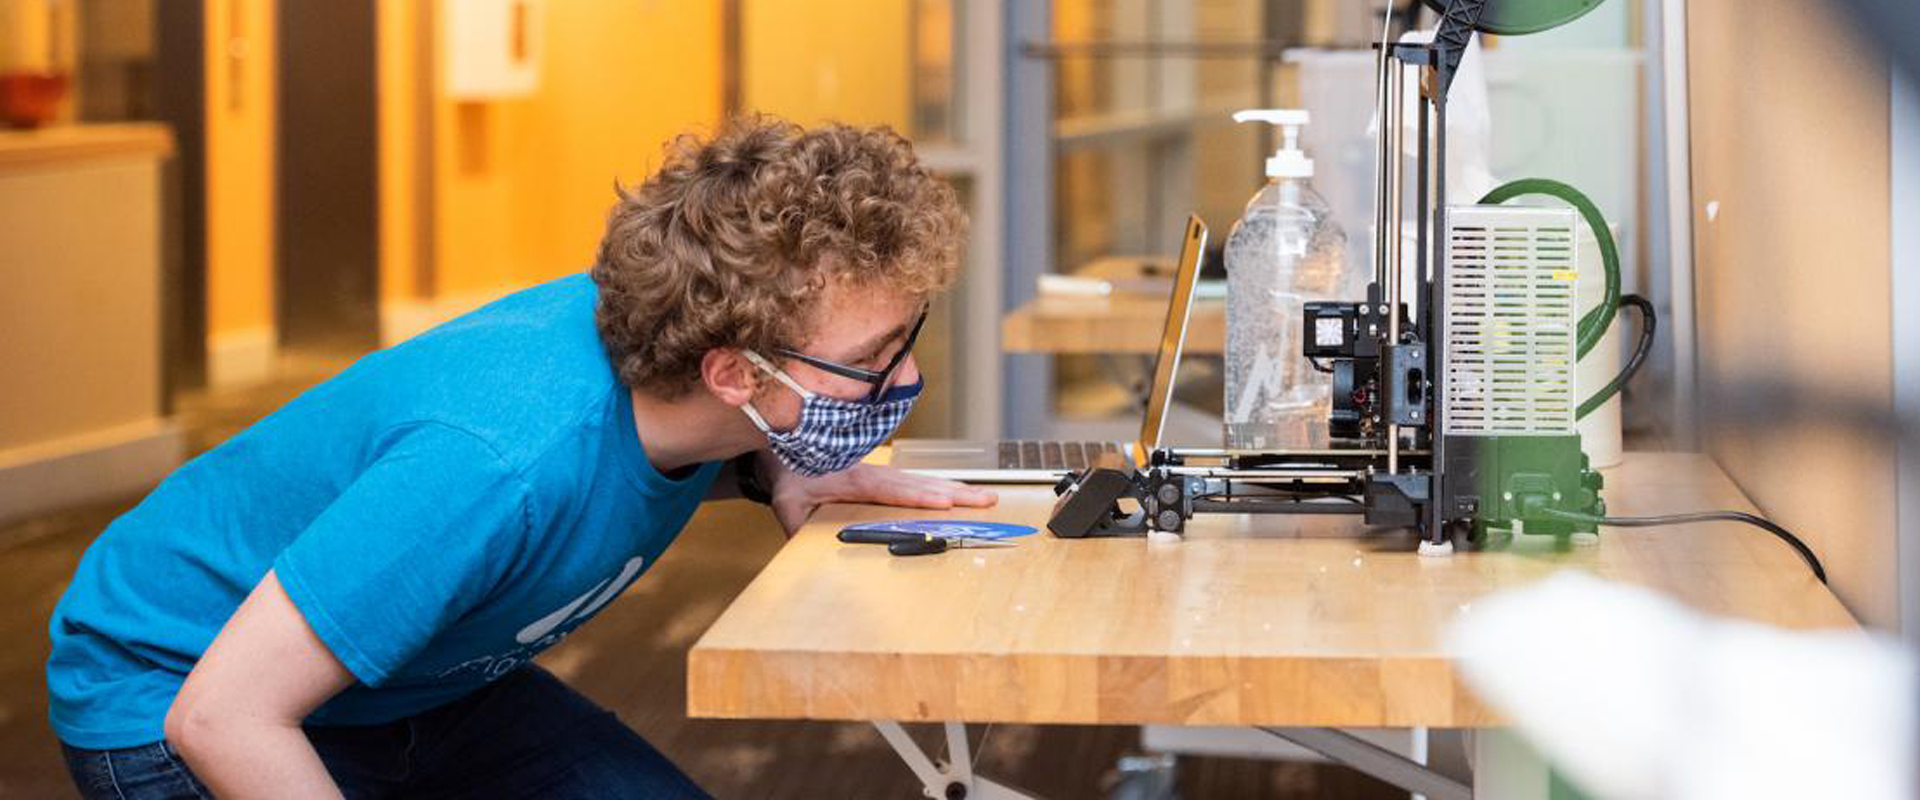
(412, 544)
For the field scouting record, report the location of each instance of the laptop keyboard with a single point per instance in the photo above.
(1052, 455)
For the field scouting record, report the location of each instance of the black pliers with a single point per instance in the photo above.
(901, 543)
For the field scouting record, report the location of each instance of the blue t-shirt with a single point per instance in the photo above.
(439, 512)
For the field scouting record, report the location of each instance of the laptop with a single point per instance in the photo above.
(1047, 461)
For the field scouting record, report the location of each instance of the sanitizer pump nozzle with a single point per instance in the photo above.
(1288, 161)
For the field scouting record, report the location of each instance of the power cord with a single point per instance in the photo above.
(1806, 553)
(1648, 323)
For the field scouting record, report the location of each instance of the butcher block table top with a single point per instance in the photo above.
(1251, 620)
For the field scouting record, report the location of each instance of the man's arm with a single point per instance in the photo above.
(237, 718)
(796, 497)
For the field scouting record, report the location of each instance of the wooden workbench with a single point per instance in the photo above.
(1117, 323)
(1128, 321)
(1307, 621)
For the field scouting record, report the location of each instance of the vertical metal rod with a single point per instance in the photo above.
(1396, 177)
(1380, 160)
(1437, 349)
(1429, 250)
(1420, 201)
(1380, 173)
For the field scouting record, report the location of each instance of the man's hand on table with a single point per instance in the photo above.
(795, 497)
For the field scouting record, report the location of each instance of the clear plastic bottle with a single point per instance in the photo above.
(1285, 251)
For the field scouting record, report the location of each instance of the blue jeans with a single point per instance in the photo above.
(525, 735)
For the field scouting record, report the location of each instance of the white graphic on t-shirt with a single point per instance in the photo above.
(547, 631)
(612, 588)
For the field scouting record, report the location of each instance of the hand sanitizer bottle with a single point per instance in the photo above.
(1284, 251)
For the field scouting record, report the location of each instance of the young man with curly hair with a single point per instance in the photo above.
(345, 598)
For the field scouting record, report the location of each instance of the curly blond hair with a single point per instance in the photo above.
(731, 242)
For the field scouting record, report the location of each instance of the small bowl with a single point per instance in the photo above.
(30, 99)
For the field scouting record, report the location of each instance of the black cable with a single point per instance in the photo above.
(1317, 366)
(1648, 324)
(1806, 553)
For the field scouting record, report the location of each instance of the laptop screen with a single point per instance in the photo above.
(1172, 338)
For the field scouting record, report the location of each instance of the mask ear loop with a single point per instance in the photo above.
(758, 421)
(779, 375)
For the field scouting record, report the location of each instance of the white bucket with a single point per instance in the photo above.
(1600, 430)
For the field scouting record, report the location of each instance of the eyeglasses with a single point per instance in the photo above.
(877, 379)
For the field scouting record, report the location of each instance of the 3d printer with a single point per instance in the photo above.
(1454, 412)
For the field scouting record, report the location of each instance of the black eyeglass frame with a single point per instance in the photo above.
(877, 379)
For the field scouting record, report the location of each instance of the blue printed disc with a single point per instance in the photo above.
(972, 529)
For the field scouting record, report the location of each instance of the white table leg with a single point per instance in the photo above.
(952, 781)
(1417, 751)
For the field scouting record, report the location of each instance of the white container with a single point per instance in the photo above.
(1600, 430)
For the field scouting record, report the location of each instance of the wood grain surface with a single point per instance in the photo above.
(1248, 621)
(80, 142)
(1123, 322)
(1127, 321)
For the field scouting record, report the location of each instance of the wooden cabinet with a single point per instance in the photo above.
(80, 385)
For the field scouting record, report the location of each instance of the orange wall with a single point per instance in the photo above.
(811, 61)
(400, 75)
(240, 124)
(521, 186)
(514, 191)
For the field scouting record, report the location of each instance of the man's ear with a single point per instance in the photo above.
(729, 376)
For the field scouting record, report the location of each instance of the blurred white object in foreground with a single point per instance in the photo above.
(1634, 696)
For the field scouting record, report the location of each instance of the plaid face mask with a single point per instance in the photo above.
(833, 434)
